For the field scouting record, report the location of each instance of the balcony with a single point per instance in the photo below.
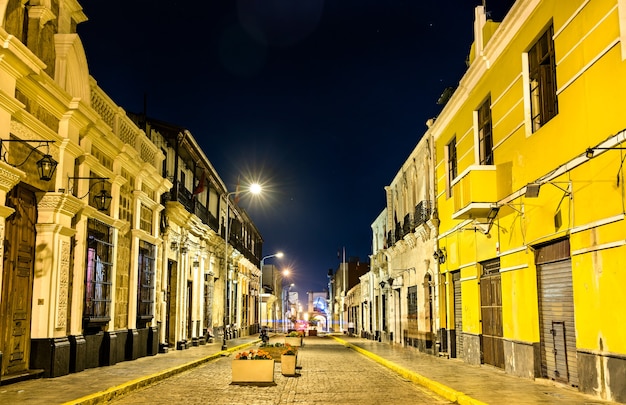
(475, 192)
(123, 127)
(183, 196)
(422, 213)
(407, 225)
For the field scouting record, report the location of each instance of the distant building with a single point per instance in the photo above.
(341, 280)
(317, 310)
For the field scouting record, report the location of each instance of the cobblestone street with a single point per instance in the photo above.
(330, 374)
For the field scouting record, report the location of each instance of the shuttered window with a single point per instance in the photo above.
(542, 75)
(485, 135)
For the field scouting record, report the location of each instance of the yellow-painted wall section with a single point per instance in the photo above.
(471, 303)
(599, 299)
(521, 319)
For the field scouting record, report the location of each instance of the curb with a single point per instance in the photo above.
(119, 390)
(442, 390)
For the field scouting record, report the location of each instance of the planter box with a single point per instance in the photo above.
(312, 332)
(288, 364)
(253, 371)
(293, 341)
(275, 352)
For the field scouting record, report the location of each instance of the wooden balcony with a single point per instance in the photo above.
(475, 192)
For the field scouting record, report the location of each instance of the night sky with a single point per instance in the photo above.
(321, 101)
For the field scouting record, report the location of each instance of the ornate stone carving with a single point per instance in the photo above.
(410, 240)
(9, 176)
(423, 231)
(64, 270)
(64, 203)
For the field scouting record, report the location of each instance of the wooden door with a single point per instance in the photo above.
(17, 285)
(491, 314)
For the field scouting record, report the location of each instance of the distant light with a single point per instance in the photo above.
(255, 188)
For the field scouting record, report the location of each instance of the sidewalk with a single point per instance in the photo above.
(463, 383)
(98, 385)
(453, 379)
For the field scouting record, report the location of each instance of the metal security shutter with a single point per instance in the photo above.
(458, 313)
(556, 313)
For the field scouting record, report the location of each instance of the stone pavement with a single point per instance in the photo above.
(464, 383)
(452, 379)
(330, 374)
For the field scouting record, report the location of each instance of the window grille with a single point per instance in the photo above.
(145, 288)
(99, 272)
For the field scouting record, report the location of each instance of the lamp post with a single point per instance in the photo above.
(254, 189)
(288, 302)
(279, 255)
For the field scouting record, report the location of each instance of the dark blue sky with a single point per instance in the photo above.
(321, 100)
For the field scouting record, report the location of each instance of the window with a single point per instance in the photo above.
(145, 289)
(126, 198)
(485, 136)
(542, 77)
(99, 272)
(183, 181)
(164, 164)
(452, 166)
(145, 219)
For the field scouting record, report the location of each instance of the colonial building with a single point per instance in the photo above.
(112, 230)
(530, 195)
(405, 282)
(80, 195)
(196, 286)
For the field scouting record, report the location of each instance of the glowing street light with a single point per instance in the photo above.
(279, 255)
(254, 189)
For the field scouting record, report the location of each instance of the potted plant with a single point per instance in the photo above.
(253, 367)
(293, 339)
(274, 350)
(288, 360)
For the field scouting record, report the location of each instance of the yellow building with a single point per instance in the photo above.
(530, 195)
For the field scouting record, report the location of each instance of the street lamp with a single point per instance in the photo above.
(279, 255)
(288, 303)
(254, 189)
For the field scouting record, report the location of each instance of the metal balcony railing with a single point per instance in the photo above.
(407, 225)
(423, 211)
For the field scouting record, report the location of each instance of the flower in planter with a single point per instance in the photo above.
(290, 351)
(253, 355)
(294, 334)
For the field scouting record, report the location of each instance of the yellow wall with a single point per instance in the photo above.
(591, 82)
